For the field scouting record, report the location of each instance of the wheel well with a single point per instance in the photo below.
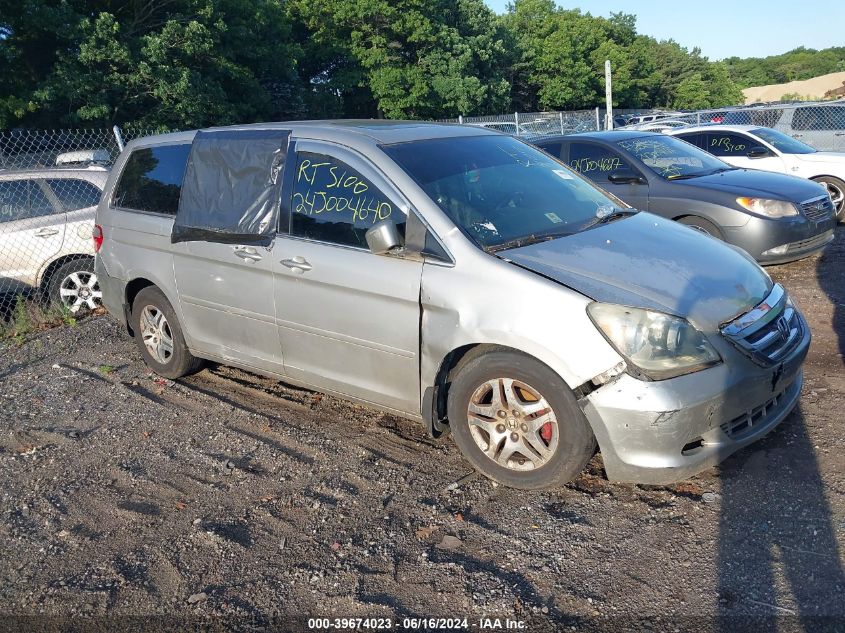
(132, 289)
(55, 264)
(454, 360)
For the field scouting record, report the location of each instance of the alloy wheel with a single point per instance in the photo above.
(155, 331)
(80, 289)
(837, 196)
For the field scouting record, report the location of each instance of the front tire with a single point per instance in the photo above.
(836, 188)
(702, 225)
(159, 335)
(517, 422)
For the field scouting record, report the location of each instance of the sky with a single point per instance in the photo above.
(724, 28)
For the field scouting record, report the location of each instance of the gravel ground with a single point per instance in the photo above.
(233, 501)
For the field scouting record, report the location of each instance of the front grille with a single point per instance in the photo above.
(817, 208)
(812, 242)
(768, 332)
(744, 425)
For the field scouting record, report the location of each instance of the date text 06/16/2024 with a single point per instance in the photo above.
(413, 624)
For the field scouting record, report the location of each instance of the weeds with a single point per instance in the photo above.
(28, 316)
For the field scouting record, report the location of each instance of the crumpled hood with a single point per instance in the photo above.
(648, 262)
(758, 184)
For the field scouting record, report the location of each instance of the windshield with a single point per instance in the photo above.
(499, 190)
(672, 158)
(782, 142)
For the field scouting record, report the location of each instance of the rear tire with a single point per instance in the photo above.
(73, 287)
(702, 225)
(517, 422)
(836, 188)
(159, 335)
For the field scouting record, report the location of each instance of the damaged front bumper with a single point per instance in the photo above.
(664, 431)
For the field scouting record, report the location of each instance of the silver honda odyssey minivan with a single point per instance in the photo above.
(456, 276)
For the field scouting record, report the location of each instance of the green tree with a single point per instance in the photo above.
(406, 58)
(172, 63)
(692, 93)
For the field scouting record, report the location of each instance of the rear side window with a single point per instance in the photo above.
(727, 144)
(694, 138)
(332, 202)
(152, 179)
(594, 161)
(74, 194)
(553, 149)
(21, 200)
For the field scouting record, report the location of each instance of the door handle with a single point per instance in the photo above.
(839, 133)
(249, 254)
(297, 264)
(46, 232)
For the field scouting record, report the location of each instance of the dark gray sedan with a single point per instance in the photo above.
(775, 217)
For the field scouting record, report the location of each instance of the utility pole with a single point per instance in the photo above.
(608, 96)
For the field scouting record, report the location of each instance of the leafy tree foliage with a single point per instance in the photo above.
(192, 63)
(170, 63)
(402, 58)
(561, 54)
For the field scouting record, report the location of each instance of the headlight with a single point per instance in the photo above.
(769, 208)
(659, 345)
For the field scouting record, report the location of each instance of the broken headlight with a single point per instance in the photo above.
(659, 345)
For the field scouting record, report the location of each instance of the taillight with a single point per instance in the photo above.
(97, 234)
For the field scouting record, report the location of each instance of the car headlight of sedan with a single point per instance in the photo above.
(659, 345)
(769, 208)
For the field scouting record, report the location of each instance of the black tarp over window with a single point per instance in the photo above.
(232, 187)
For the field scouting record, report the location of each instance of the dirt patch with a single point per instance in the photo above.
(228, 495)
(815, 88)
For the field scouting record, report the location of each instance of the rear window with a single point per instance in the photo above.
(152, 179)
(74, 194)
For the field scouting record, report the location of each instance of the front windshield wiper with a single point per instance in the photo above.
(685, 176)
(616, 214)
(526, 240)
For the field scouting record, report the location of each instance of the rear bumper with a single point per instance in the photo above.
(113, 289)
(664, 431)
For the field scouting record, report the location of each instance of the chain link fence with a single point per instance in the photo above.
(820, 125)
(542, 124)
(535, 124)
(50, 184)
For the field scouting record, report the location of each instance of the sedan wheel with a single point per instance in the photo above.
(836, 188)
(74, 287)
(702, 225)
(80, 290)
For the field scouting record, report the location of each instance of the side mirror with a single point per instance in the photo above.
(624, 177)
(383, 237)
(758, 152)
